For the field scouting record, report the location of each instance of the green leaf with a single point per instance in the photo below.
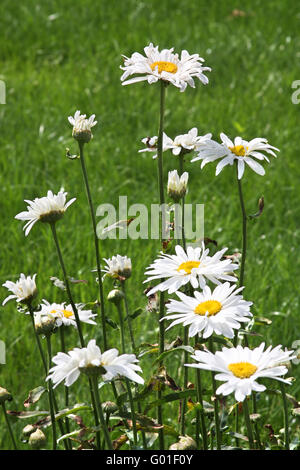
(111, 323)
(189, 349)
(27, 414)
(262, 321)
(137, 312)
(171, 397)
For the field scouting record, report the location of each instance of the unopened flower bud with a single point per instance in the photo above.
(109, 407)
(37, 439)
(185, 443)
(115, 296)
(28, 430)
(4, 395)
(44, 324)
(82, 127)
(177, 186)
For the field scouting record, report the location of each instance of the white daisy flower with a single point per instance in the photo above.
(91, 361)
(177, 186)
(64, 314)
(242, 151)
(164, 65)
(49, 209)
(189, 142)
(240, 368)
(118, 266)
(151, 144)
(82, 126)
(24, 290)
(194, 266)
(221, 311)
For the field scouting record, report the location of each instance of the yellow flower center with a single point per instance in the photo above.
(188, 266)
(66, 313)
(238, 150)
(242, 370)
(164, 67)
(210, 307)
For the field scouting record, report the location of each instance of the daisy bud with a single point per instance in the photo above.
(82, 127)
(28, 430)
(177, 186)
(115, 296)
(37, 439)
(4, 395)
(118, 267)
(44, 324)
(185, 443)
(109, 407)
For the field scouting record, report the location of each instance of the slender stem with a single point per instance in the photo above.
(50, 391)
(161, 200)
(286, 417)
(256, 428)
(244, 219)
(96, 241)
(100, 414)
(248, 423)
(200, 413)
(122, 331)
(66, 281)
(133, 345)
(216, 406)
(63, 349)
(128, 318)
(9, 426)
(38, 339)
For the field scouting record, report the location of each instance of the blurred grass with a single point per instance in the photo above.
(59, 56)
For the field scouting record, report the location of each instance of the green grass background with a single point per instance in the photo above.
(59, 56)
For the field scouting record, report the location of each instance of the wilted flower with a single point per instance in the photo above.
(152, 142)
(24, 290)
(82, 126)
(177, 186)
(118, 267)
(164, 65)
(240, 368)
(240, 150)
(91, 361)
(47, 209)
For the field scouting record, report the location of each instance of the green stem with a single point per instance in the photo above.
(66, 281)
(286, 417)
(256, 428)
(9, 426)
(161, 200)
(96, 241)
(248, 424)
(51, 394)
(63, 349)
(100, 414)
(244, 220)
(38, 339)
(216, 405)
(122, 331)
(200, 413)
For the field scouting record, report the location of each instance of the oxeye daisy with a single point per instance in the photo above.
(92, 362)
(151, 144)
(64, 314)
(221, 311)
(194, 266)
(189, 142)
(24, 290)
(118, 267)
(82, 126)
(47, 209)
(240, 150)
(240, 368)
(177, 186)
(164, 65)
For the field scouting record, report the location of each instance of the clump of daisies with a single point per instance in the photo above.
(164, 65)
(47, 209)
